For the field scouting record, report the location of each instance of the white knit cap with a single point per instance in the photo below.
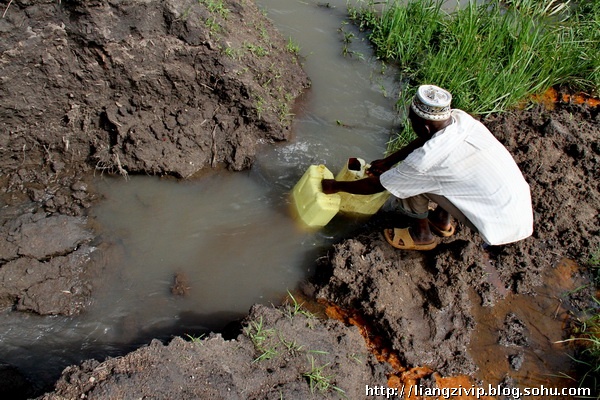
(432, 103)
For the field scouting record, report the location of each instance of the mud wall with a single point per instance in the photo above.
(160, 87)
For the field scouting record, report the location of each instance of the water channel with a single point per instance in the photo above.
(230, 234)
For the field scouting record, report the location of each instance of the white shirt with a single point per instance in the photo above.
(465, 163)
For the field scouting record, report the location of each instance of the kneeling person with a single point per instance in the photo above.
(458, 164)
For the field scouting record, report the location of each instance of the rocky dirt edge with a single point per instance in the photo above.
(285, 352)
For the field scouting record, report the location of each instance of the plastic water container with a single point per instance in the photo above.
(314, 207)
(359, 204)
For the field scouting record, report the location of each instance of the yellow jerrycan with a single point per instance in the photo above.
(314, 207)
(359, 204)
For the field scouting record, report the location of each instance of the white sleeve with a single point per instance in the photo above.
(404, 181)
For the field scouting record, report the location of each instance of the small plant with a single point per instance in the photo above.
(231, 52)
(213, 26)
(217, 7)
(259, 337)
(284, 113)
(291, 346)
(587, 337)
(356, 358)
(347, 41)
(257, 332)
(260, 106)
(264, 34)
(317, 380)
(243, 71)
(292, 47)
(266, 354)
(196, 339)
(295, 308)
(256, 50)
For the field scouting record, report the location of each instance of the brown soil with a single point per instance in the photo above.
(173, 88)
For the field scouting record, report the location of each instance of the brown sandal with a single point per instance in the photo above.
(408, 243)
(441, 232)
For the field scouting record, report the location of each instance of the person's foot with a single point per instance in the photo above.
(439, 220)
(446, 231)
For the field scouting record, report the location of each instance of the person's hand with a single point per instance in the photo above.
(377, 167)
(329, 186)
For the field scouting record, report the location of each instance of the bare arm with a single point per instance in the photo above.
(369, 185)
(372, 184)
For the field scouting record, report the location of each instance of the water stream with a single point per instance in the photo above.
(230, 235)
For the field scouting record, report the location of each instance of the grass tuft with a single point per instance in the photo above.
(260, 335)
(196, 339)
(293, 308)
(318, 380)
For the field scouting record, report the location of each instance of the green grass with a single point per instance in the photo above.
(586, 336)
(317, 379)
(490, 57)
(216, 7)
(292, 347)
(196, 339)
(292, 308)
(260, 335)
(292, 47)
(256, 50)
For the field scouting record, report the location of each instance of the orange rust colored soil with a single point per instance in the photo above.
(403, 377)
(375, 343)
(551, 96)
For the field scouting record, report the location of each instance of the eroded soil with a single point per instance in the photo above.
(174, 88)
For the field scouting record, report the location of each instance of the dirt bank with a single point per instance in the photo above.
(282, 354)
(176, 87)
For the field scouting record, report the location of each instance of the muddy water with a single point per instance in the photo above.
(229, 237)
(532, 341)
